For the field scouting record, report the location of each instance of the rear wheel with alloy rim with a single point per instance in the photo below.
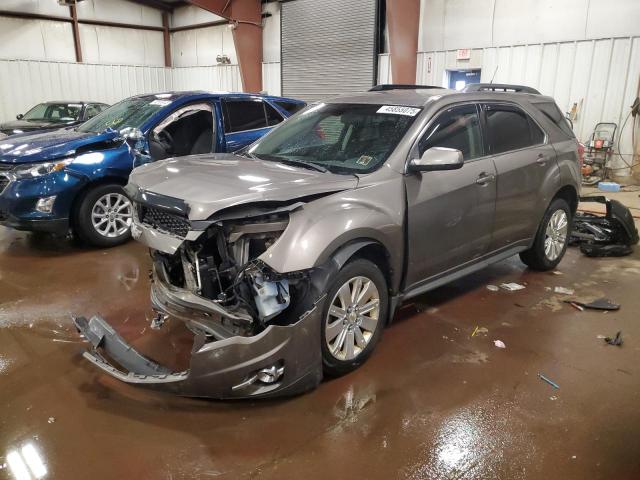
(551, 239)
(104, 216)
(355, 314)
(556, 234)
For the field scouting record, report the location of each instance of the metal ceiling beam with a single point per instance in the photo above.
(157, 4)
(246, 16)
(167, 39)
(76, 33)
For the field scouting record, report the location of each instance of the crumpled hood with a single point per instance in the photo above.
(43, 146)
(209, 183)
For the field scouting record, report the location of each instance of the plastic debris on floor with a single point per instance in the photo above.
(499, 344)
(512, 286)
(617, 340)
(493, 288)
(480, 331)
(564, 291)
(602, 304)
(547, 380)
(575, 305)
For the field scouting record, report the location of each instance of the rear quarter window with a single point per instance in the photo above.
(553, 113)
(290, 107)
(243, 115)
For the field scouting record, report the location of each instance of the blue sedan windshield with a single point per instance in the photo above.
(133, 112)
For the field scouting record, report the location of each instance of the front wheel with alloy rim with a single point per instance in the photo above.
(551, 239)
(355, 313)
(104, 216)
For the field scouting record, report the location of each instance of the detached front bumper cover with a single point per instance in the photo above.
(228, 368)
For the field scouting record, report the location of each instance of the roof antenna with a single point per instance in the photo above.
(494, 74)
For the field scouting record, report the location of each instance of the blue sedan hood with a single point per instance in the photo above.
(41, 147)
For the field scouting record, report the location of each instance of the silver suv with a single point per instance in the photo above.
(287, 259)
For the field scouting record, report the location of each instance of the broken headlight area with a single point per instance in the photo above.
(218, 280)
(256, 331)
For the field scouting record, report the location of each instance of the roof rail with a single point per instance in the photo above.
(399, 86)
(499, 87)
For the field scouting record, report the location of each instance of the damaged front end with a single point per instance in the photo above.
(256, 331)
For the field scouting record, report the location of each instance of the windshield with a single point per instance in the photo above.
(132, 112)
(343, 138)
(54, 112)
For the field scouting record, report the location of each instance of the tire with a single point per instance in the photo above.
(338, 359)
(92, 211)
(551, 241)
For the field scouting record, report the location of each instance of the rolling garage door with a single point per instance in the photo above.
(328, 47)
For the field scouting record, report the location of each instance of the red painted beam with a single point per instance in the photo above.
(167, 39)
(246, 15)
(403, 20)
(76, 33)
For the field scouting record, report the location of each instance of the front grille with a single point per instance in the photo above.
(163, 220)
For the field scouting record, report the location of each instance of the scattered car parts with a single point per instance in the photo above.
(617, 340)
(610, 235)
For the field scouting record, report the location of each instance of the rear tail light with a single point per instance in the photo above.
(581, 154)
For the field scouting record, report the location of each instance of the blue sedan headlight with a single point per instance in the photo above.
(32, 170)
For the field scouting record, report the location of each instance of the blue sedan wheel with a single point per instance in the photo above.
(111, 215)
(104, 217)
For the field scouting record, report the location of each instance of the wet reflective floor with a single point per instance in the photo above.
(434, 401)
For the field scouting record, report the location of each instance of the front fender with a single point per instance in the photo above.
(319, 229)
(114, 162)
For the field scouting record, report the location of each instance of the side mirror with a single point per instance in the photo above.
(437, 158)
(134, 137)
(131, 133)
(19, 116)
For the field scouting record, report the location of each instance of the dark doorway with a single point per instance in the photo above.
(458, 79)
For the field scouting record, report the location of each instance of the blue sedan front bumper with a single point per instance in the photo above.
(18, 199)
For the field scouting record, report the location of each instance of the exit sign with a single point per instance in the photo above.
(463, 54)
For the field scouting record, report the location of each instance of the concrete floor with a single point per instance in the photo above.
(432, 402)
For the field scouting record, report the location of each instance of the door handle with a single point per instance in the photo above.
(541, 160)
(485, 178)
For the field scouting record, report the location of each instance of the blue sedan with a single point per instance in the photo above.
(72, 178)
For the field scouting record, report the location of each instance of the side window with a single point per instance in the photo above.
(537, 135)
(510, 129)
(273, 117)
(91, 111)
(241, 115)
(457, 127)
(186, 131)
(291, 107)
(553, 113)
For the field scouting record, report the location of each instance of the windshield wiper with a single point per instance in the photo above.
(244, 152)
(294, 162)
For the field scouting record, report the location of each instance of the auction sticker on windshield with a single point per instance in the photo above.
(162, 103)
(398, 110)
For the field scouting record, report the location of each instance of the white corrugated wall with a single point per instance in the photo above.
(384, 69)
(211, 78)
(271, 78)
(28, 82)
(601, 76)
